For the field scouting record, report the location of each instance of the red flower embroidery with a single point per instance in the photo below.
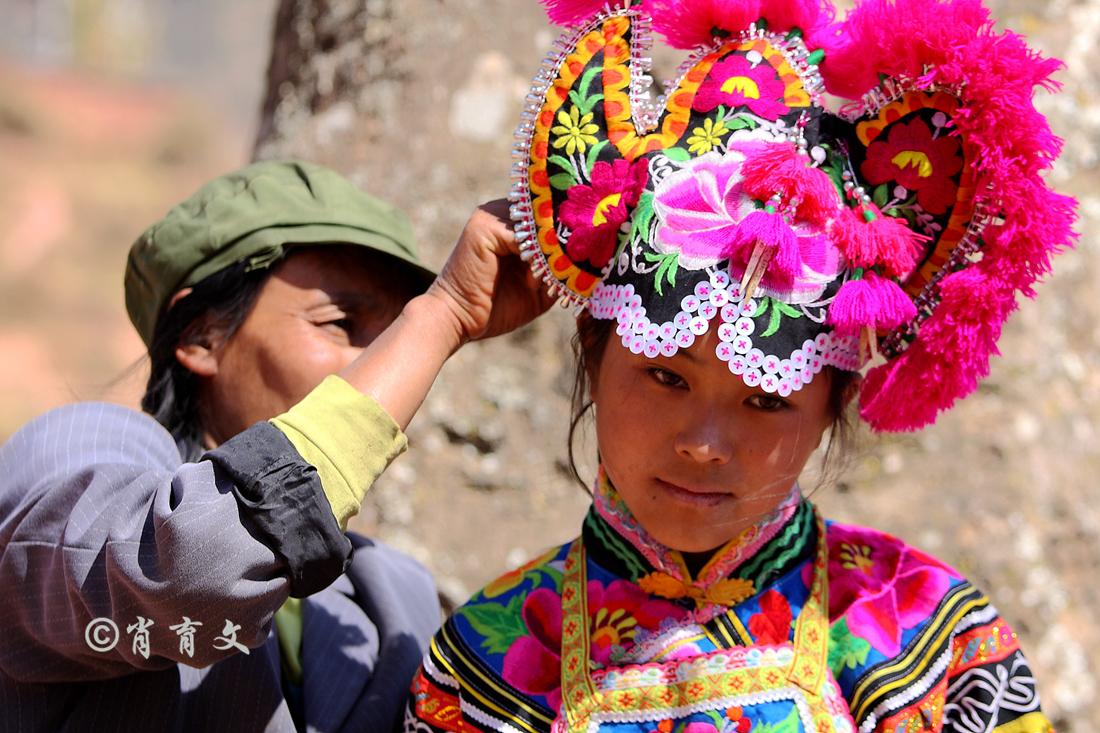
(736, 82)
(912, 157)
(595, 212)
(772, 625)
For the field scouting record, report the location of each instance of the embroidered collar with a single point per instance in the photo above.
(616, 541)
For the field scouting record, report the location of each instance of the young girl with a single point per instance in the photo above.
(752, 254)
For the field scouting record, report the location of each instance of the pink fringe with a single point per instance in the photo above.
(954, 44)
(572, 12)
(779, 168)
(689, 24)
(770, 230)
(885, 242)
(948, 359)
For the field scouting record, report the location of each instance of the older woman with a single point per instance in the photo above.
(186, 568)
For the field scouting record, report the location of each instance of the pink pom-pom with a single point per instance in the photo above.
(769, 230)
(779, 168)
(692, 23)
(895, 307)
(572, 12)
(869, 302)
(885, 241)
(688, 24)
(853, 308)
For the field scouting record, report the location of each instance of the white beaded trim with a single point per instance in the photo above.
(719, 297)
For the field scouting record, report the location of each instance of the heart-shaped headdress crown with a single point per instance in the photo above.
(892, 234)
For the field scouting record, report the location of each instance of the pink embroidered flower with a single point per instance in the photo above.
(533, 663)
(699, 208)
(619, 611)
(736, 82)
(881, 585)
(595, 212)
(910, 155)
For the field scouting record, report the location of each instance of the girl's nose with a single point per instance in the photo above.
(705, 441)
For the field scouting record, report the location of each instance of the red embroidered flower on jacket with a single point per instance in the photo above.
(773, 624)
(881, 585)
(914, 158)
(737, 82)
(595, 212)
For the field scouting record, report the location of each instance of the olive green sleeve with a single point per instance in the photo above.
(347, 437)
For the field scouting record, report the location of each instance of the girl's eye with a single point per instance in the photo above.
(766, 402)
(667, 378)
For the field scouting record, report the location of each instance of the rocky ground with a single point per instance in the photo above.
(1003, 487)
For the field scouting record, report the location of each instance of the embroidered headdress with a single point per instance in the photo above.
(893, 233)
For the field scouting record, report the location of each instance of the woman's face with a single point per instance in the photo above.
(696, 454)
(317, 311)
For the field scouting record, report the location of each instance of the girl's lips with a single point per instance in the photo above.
(694, 497)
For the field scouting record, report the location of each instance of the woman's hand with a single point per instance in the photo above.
(485, 290)
(485, 285)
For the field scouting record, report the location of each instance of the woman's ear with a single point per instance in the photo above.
(197, 357)
(196, 350)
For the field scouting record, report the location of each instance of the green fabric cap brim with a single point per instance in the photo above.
(254, 215)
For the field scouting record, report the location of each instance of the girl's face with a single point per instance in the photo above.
(696, 454)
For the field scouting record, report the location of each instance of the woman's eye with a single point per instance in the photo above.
(667, 378)
(342, 325)
(766, 402)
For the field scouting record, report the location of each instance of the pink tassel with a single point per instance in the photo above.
(768, 229)
(853, 308)
(870, 302)
(885, 241)
(691, 23)
(895, 307)
(572, 12)
(779, 167)
(688, 24)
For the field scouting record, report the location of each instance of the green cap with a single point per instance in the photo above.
(253, 215)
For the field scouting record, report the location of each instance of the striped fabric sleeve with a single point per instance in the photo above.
(105, 532)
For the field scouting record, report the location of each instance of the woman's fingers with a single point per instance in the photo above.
(491, 287)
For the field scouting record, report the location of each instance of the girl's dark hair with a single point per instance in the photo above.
(589, 343)
(213, 310)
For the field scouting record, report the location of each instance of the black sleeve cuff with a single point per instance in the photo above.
(283, 506)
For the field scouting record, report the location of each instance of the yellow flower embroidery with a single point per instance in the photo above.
(856, 557)
(704, 138)
(575, 131)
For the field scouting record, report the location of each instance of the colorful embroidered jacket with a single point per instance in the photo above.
(911, 645)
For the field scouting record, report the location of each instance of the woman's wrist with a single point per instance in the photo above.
(438, 317)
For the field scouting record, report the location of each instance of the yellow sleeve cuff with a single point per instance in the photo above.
(347, 437)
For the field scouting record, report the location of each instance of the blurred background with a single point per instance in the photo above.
(111, 111)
